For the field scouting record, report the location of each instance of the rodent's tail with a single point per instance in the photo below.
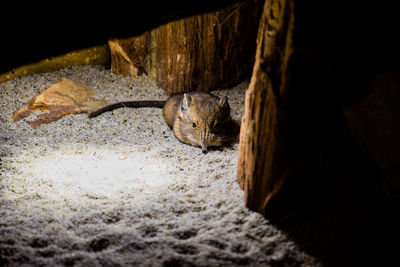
(130, 104)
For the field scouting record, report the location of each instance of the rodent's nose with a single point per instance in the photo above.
(204, 147)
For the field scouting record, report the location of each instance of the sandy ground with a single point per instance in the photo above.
(120, 190)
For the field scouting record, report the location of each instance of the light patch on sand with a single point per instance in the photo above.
(96, 173)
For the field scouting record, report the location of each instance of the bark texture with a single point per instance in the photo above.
(201, 52)
(207, 51)
(128, 55)
(264, 156)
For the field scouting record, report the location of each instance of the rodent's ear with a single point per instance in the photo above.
(186, 102)
(223, 102)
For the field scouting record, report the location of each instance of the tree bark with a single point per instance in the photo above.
(202, 52)
(128, 55)
(208, 51)
(264, 163)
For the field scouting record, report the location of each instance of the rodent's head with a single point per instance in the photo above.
(204, 120)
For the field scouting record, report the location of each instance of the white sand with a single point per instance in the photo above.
(119, 189)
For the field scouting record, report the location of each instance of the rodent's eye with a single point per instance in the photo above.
(194, 125)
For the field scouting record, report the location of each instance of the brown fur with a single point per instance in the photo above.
(197, 118)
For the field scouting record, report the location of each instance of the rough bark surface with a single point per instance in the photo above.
(201, 52)
(128, 55)
(264, 158)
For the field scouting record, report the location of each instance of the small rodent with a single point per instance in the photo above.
(197, 118)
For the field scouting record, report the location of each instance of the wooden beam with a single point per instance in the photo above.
(201, 52)
(264, 164)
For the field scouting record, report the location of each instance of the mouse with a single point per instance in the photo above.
(197, 118)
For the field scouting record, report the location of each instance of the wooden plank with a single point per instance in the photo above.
(264, 156)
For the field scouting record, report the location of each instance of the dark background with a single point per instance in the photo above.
(31, 32)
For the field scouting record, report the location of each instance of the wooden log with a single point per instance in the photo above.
(128, 55)
(201, 52)
(207, 51)
(264, 163)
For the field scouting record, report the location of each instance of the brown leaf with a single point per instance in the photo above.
(61, 98)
